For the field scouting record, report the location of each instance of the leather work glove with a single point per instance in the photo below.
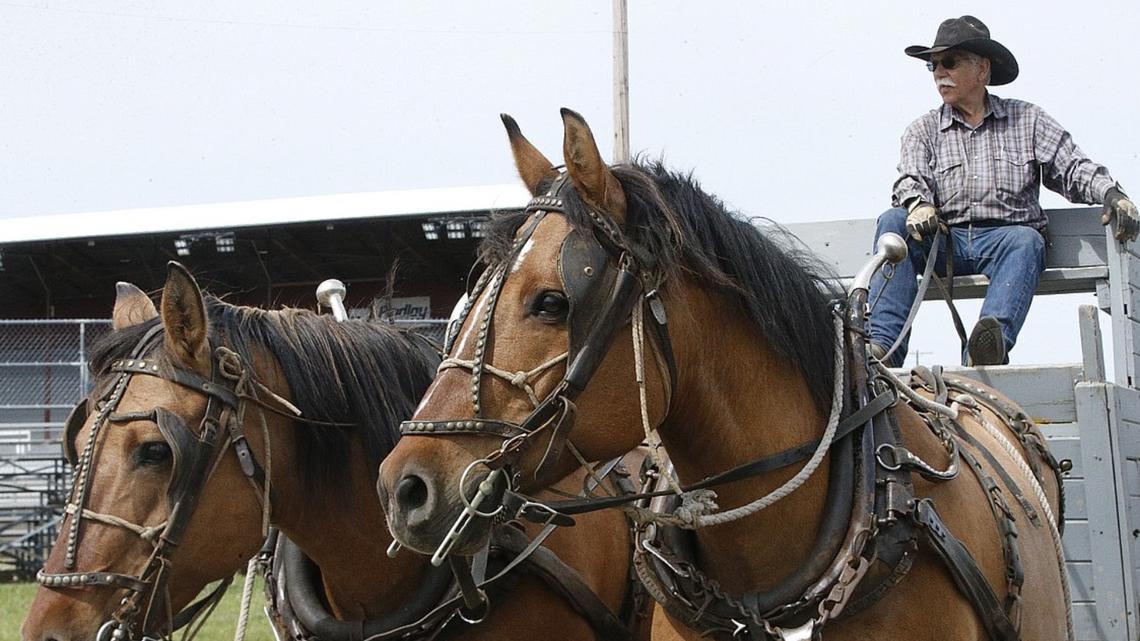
(1118, 206)
(922, 221)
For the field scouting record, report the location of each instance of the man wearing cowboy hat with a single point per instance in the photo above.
(975, 166)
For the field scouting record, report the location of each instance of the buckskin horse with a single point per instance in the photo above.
(194, 409)
(857, 505)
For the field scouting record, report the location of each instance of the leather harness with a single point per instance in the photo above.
(873, 524)
(666, 562)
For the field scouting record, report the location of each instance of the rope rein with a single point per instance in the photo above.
(697, 506)
(246, 597)
(652, 439)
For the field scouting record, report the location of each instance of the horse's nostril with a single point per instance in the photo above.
(411, 492)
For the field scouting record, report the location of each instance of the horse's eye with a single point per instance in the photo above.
(551, 306)
(153, 453)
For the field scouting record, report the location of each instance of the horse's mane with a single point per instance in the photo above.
(677, 227)
(369, 375)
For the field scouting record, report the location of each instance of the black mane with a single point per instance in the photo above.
(366, 374)
(677, 227)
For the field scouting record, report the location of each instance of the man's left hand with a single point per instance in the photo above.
(1118, 206)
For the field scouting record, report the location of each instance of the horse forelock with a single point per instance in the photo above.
(676, 228)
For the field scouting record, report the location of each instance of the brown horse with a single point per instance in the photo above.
(615, 275)
(194, 408)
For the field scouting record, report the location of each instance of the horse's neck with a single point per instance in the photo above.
(348, 539)
(345, 532)
(737, 401)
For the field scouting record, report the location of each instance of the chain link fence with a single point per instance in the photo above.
(430, 328)
(43, 373)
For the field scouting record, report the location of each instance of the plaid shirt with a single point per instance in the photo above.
(994, 172)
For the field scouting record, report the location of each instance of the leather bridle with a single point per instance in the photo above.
(195, 455)
(587, 266)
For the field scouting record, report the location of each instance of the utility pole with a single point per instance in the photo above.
(621, 83)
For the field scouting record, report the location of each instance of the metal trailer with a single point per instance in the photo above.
(1093, 423)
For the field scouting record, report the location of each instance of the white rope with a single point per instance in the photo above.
(246, 597)
(520, 379)
(1039, 492)
(696, 505)
(652, 440)
(148, 533)
(704, 520)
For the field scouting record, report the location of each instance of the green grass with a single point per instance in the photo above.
(16, 597)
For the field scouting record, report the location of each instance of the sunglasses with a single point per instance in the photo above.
(947, 62)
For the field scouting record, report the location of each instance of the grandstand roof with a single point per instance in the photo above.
(263, 252)
(383, 204)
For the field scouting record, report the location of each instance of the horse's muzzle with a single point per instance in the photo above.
(422, 509)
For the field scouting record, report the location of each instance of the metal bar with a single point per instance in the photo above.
(82, 358)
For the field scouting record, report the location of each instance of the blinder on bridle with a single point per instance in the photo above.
(186, 445)
(584, 267)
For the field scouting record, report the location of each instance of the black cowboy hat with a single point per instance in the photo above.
(970, 34)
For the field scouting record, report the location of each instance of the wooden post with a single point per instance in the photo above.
(621, 83)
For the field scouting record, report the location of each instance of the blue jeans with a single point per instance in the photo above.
(1012, 256)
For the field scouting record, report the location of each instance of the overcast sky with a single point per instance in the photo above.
(790, 110)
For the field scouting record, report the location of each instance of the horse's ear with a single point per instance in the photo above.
(598, 186)
(532, 165)
(184, 319)
(132, 306)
